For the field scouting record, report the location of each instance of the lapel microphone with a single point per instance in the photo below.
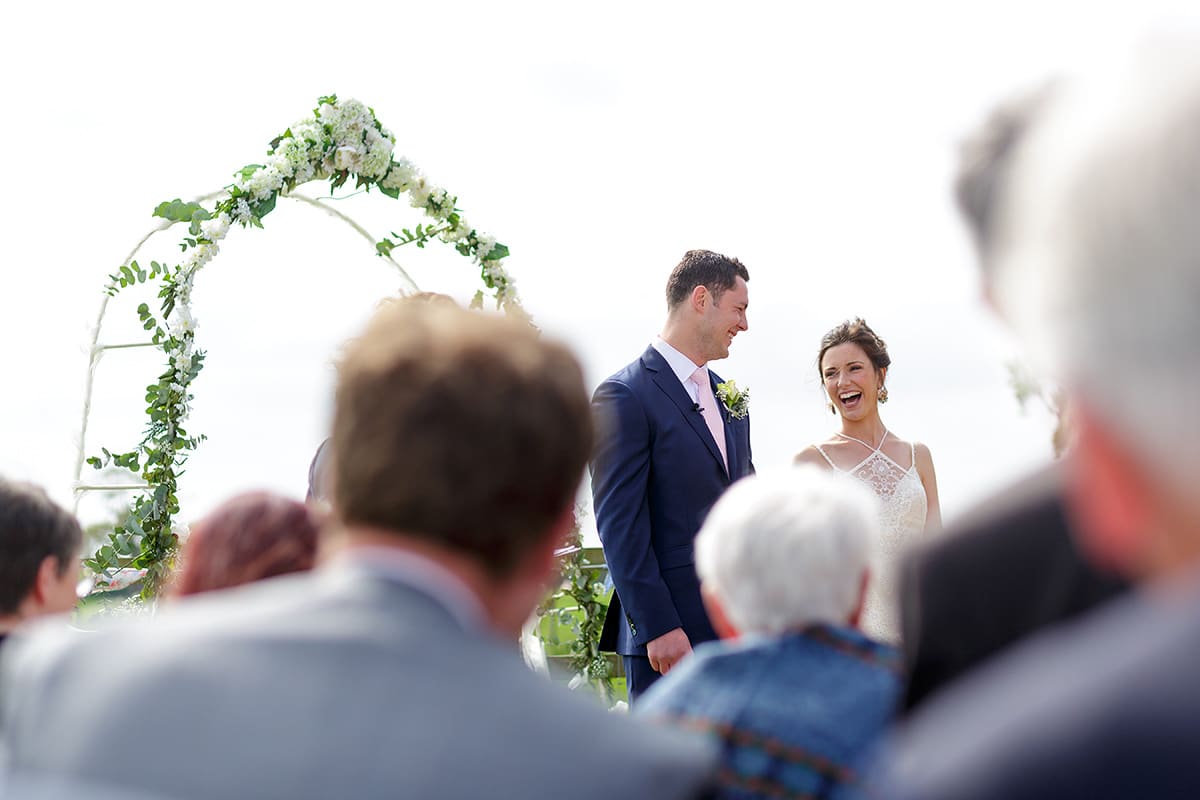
(696, 407)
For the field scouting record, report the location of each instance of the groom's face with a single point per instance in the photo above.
(724, 319)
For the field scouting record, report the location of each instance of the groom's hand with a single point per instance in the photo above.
(665, 651)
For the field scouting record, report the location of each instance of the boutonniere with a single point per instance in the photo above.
(737, 401)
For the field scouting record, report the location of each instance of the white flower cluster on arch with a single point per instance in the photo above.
(339, 142)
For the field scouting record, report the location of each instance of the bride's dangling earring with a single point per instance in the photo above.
(883, 394)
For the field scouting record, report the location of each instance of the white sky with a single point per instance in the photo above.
(815, 141)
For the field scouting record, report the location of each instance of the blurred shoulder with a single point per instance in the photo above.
(1025, 518)
(561, 724)
(1054, 705)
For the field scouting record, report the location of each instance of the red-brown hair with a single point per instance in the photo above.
(247, 538)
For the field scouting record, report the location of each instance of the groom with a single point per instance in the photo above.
(667, 449)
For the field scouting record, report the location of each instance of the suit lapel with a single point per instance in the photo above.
(666, 380)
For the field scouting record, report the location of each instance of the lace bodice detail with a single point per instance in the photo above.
(901, 494)
(902, 510)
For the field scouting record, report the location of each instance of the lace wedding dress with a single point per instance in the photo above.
(902, 519)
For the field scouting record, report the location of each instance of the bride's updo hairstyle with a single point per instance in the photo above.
(859, 332)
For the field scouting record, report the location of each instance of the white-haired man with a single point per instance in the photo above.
(1101, 271)
(794, 691)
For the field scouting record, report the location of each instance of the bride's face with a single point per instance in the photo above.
(851, 380)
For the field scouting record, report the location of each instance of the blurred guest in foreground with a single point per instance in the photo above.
(39, 556)
(320, 469)
(391, 670)
(1010, 567)
(1100, 270)
(795, 694)
(247, 538)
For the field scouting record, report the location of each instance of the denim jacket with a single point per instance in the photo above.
(794, 715)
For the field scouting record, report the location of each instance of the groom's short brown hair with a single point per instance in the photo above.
(458, 427)
(705, 268)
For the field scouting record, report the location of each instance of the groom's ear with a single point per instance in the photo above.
(700, 296)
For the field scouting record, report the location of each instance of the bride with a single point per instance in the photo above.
(853, 363)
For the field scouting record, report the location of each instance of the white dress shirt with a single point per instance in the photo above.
(681, 365)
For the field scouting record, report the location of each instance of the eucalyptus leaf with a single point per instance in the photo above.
(176, 210)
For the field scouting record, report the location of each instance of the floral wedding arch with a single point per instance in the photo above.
(341, 142)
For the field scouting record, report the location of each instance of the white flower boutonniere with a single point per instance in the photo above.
(736, 400)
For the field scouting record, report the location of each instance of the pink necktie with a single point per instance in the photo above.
(708, 407)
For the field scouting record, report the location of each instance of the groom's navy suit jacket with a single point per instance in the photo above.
(655, 475)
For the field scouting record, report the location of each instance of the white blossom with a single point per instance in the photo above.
(379, 153)
(440, 203)
(305, 131)
(198, 256)
(348, 122)
(347, 158)
(242, 212)
(215, 229)
(282, 165)
(484, 245)
(262, 183)
(183, 349)
(419, 191)
(299, 154)
(495, 270)
(182, 321)
(459, 232)
(304, 173)
(401, 174)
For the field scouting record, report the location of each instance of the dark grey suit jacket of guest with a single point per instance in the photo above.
(1003, 572)
(336, 684)
(1105, 707)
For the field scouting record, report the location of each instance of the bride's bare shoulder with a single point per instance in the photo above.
(906, 444)
(900, 449)
(811, 455)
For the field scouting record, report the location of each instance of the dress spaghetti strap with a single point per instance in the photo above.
(832, 466)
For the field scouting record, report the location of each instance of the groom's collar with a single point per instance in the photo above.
(681, 365)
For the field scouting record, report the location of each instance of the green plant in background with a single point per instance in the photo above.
(573, 618)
